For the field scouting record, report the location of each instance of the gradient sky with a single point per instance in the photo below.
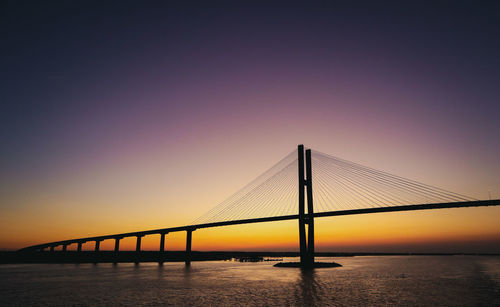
(125, 116)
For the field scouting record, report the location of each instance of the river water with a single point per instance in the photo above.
(362, 281)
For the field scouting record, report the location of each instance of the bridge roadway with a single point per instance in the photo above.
(190, 228)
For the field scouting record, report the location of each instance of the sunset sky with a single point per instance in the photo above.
(130, 116)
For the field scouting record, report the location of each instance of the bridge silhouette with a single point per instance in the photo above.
(341, 188)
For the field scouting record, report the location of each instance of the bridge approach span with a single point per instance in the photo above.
(190, 228)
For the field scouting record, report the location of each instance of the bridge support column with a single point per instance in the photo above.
(310, 211)
(162, 248)
(117, 244)
(302, 225)
(97, 245)
(79, 248)
(52, 248)
(306, 243)
(138, 249)
(117, 249)
(138, 244)
(65, 247)
(162, 242)
(188, 246)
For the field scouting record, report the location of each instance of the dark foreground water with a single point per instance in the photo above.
(362, 281)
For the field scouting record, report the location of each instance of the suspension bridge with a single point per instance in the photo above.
(285, 192)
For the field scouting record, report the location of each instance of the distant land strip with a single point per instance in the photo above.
(12, 257)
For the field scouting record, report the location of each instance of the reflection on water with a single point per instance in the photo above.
(374, 281)
(308, 288)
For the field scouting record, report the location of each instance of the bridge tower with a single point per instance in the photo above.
(305, 190)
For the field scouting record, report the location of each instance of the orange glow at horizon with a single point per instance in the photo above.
(446, 230)
(112, 199)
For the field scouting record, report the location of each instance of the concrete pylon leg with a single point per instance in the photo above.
(138, 244)
(302, 226)
(162, 248)
(306, 241)
(310, 211)
(162, 242)
(117, 250)
(117, 245)
(188, 247)
(138, 249)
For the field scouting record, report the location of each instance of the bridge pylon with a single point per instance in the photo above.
(305, 185)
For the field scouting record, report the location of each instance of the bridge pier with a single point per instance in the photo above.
(138, 244)
(188, 247)
(310, 211)
(162, 247)
(117, 244)
(302, 226)
(97, 245)
(52, 248)
(138, 248)
(162, 242)
(79, 248)
(64, 247)
(306, 243)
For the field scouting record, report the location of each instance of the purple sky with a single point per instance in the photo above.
(175, 94)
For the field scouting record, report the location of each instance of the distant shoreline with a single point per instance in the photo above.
(14, 257)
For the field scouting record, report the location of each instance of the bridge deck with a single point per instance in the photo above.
(480, 203)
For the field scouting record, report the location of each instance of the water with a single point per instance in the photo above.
(362, 281)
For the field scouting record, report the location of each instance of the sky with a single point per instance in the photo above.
(131, 115)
